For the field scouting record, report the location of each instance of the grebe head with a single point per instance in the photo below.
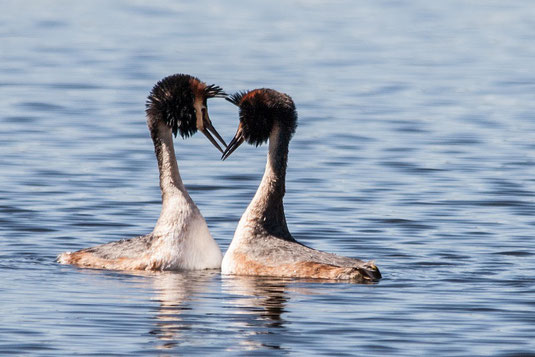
(180, 101)
(260, 110)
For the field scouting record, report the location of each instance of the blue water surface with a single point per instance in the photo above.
(415, 148)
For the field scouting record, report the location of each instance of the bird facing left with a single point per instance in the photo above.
(180, 239)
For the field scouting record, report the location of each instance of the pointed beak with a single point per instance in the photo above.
(205, 126)
(234, 144)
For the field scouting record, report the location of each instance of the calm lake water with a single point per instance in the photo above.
(415, 148)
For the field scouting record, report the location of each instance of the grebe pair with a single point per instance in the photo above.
(262, 243)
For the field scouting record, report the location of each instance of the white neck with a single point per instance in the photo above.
(266, 208)
(175, 198)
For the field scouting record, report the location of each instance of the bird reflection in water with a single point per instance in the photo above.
(259, 307)
(175, 291)
(193, 308)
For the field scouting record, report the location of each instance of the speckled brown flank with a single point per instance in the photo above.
(90, 260)
(243, 265)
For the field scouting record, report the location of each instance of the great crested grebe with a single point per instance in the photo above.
(262, 244)
(181, 239)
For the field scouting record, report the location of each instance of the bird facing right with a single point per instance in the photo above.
(262, 243)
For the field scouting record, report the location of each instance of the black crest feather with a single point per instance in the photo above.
(260, 109)
(171, 101)
(236, 97)
(213, 91)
